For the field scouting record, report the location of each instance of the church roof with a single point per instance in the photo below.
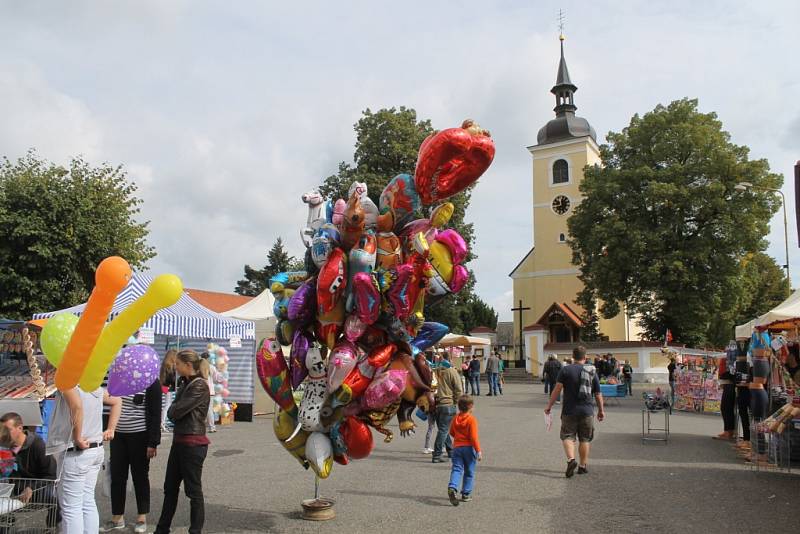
(525, 257)
(566, 125)
(564, 308)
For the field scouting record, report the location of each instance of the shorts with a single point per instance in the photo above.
(581, 426)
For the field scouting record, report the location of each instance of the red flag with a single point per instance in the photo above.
(668, 336)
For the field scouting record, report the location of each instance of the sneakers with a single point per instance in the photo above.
(451, 494)
(571, 465)
(438, 460)
(427, 450)
(466, 497)
(141, 527)
(582, 470)
(111, 526)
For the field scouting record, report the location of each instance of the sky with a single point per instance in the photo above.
(225, 113)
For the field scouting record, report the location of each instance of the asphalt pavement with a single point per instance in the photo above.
(690, 484)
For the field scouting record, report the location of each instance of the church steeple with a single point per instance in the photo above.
(564, 89)
(566, 125)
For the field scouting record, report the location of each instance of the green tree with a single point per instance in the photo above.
(762, 286)
(56, 225)
(257, 280)
(387, 143)
(661, 228)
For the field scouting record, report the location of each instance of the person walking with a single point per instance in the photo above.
(430, 415)
(466, 452)
(448, 391)
(76, 432)
(500, 379)
(137, 436)
(465, 383)
(671, 369)
(475, 376)
(627, 375)
(579, 383)
(492, 372)
(553, 368)
(188, 412)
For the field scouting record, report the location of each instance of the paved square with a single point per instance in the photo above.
(691, 484)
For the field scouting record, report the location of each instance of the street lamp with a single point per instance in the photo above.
(744, 186)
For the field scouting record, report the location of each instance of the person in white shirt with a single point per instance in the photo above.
(76, 436)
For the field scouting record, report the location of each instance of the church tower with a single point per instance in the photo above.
(545, 281)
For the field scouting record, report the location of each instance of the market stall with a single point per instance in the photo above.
(189, 325)
(26, 378)
(697, 386)
(258, 310)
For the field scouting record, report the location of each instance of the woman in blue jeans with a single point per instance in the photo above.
(475, 376)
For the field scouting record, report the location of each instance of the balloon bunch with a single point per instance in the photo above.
(82, 349)
(218, 360)
(354, 317)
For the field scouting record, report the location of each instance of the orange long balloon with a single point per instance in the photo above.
(112, 275)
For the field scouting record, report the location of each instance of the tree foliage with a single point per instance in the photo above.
(257, 280)
(661, 228)
(56, 225)
(387, 142)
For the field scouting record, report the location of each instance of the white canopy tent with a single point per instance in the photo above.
(258, 310)
(787, 311)
(460, 340)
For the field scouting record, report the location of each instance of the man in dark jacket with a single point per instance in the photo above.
(34, 464)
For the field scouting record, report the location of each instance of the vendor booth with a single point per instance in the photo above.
(188, 325)
(26, 379)
(258, 310)
(768, 355)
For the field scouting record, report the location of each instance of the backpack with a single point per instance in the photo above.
(585, 384)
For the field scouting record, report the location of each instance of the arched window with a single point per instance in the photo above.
(562, 238)
(560, 172)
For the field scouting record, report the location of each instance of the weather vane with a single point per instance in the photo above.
(561, 17)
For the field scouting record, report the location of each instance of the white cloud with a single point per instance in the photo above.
(225, 115)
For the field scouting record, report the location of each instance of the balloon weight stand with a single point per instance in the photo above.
(318, 508)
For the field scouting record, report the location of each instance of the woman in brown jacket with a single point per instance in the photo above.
(189, 443)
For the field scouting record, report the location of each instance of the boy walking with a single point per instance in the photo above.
(466, 452)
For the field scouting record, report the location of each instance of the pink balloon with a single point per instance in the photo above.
(385, 389)
(133, 371)
(341, 361)
(353, 328)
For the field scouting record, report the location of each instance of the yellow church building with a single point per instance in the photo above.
(546, 318)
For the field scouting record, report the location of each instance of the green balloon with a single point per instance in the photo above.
(56, 335)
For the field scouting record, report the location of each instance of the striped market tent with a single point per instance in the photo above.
(185, 318)
(188, 324)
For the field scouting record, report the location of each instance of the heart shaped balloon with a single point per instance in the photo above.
(133, 371)
(451, 160)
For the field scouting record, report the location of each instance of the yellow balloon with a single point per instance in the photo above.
(164, 291)
(55, 336)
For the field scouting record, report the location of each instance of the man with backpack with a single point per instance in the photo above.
(581, 388)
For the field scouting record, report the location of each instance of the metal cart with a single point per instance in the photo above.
(28, 505)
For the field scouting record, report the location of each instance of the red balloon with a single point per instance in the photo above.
(358, 438)
(451, 160)
(380, 356)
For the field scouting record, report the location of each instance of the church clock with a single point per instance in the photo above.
(561, 204)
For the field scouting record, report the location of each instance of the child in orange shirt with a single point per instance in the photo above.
(466, 451)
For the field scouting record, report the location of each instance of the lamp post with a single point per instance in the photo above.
(744, 186)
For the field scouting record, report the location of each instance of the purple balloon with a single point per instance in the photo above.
(297, 357)
(133, 371)
(303, 303)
